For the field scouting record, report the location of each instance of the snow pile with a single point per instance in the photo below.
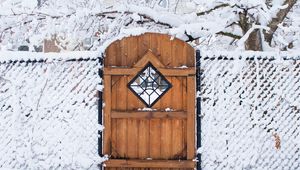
(250, 112)
(49, 114)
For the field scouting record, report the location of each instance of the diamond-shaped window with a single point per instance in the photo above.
(149, 85)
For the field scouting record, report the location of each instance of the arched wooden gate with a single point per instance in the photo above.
(149, 96)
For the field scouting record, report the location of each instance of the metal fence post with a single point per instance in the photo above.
(198, 102)
(100, 107)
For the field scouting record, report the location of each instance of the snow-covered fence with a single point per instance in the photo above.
(49, 111)
(250, 111)
(250, 117)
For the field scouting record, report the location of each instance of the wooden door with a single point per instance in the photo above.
(162, 135)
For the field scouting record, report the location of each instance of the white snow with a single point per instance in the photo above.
(169, 110)
(146, 109)
(49, 110)
(22, 22)
(49, 113)
(244, 103)
(20, 55)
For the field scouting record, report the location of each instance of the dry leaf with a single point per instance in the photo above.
(277, 141)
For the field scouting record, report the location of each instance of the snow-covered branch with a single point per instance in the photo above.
(212, 9)
(92, 21)
(242, 41)
(229, 34)
(280, 16)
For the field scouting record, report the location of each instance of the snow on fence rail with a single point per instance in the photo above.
(48, 110)
(250, 111)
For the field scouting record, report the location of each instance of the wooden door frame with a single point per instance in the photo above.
(197, 103)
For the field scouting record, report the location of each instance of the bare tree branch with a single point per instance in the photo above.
(210, 10)
(39, 3)
(228, 34)
(281, 15)
(246, 21)
(243, 21)
(190, 37)
(43, 16)
(143, 15)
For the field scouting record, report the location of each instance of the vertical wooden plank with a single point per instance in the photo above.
(132, 138)
(184, 53)
(191, 117)
(184, 138)
(184, 122)
(121, 91)
(190, 57)
(155, 129)
(155, 48)
(124, 52)
(177, 138)
(114, 151)
(122, 126)
(174, 54)
(166, 130)
(144, 143)
(166, 100)
(132, 51)
(155, 42)
(177, 125)
(177, 93)
(107, 112)
(157, 105)
(166, 139)
(179, 54)
(132, 55)
(114, 81)
(166, 49)
(117, 50)
(122, 138)
(111, 54)
(184, 93)
(133, 102)
(144, 44)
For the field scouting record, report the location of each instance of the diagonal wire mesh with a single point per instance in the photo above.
(250, 113)
(48, 114)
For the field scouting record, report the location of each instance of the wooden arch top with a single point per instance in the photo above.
(171, 52)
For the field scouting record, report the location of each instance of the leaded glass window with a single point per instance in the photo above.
(149, 85)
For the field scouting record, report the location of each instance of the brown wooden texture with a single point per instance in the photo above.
(135, 163)
(172, 52)
(132, 71)
(149, 114)
(107, 112)
(157, 138)
(191, 118)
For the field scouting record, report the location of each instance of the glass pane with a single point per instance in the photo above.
(149, 85)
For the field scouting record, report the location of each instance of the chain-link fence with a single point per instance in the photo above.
(49, 114)
(250, 117)
(250, 112)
